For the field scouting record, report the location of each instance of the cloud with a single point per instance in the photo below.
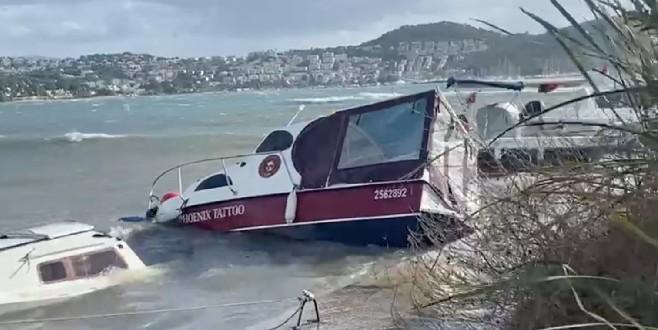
(222, 27)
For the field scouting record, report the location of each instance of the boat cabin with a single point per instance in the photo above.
(373, 143)
(59, 260)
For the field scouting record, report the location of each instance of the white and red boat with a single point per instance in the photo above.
(358, 176)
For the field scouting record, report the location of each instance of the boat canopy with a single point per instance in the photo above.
(373, 143)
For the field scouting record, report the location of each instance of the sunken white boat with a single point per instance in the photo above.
(60, 260)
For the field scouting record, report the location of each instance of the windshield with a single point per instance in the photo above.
(382, 136)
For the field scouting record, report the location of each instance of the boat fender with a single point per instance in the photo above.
(291, 206)
(169, 196)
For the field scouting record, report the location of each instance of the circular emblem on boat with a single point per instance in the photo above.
(269, 166)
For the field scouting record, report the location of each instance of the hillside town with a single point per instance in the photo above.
(139, 74)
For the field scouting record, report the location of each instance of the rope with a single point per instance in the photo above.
(306, 297)
(289, 318)
(154, 311)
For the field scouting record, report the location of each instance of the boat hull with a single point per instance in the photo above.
(387, 231)
(375, 214)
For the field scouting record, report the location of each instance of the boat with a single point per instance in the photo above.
(60, 260)
(522, 137)
(369, 175)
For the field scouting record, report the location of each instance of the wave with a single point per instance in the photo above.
(73, 138)
(379, 96)
(79, 137)
(324, 100)
(70, 137)
(340, 99)
(266, 93)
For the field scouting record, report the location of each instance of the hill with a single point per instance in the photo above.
(442, 31)
(525, 54)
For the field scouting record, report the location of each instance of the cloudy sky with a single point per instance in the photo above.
(235, 27)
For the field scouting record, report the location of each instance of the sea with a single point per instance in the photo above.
(94, 160)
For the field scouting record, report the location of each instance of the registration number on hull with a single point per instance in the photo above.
(390, 193)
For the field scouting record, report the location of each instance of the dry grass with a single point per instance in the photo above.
(576, 245)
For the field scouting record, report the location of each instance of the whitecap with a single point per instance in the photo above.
(78, 136)
(212, 272)
(329, 99)
(379, 96)
(121, 232)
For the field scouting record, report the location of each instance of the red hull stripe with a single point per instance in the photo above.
(316, 206)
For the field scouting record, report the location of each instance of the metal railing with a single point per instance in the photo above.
(224, 169)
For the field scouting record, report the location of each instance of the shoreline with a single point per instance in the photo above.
(218, 91)
(266, 89)
(36, 99)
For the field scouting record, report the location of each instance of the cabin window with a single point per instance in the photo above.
(52, 271)
(95, 263)
(390, 135)
(276, 141)
(215, 181)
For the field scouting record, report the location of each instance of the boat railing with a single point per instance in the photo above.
(223, 160)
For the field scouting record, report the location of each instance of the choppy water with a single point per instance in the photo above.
(93, 160)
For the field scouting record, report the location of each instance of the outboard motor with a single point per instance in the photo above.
(533, 108)
(490, 121)
(493, 119)
(166, 209)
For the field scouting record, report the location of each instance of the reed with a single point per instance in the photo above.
(574, 245)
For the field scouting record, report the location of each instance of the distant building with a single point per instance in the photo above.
(340, 57)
